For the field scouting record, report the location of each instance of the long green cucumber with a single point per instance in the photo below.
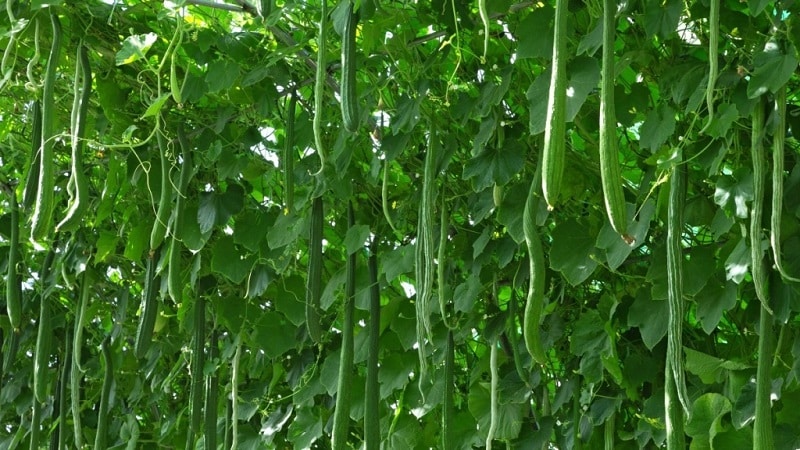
(536, 280)
(13, 283)
(235, 368)
(319, 84)
(105, 395)
(79, 203)
(677, 202)
(159, 230)
(76, 371)
(341, 413)
(44, 336)
(424, 256)
(212, 395)
(288, 154)
(314, 280)
(174, 279)
(448, 403)
(349, 93)
(36, 424)
(42, 219)
(713, 58)
(32, 179)
(778, 147)
(197, 363)
(60, 406)
(555, 139)
(372, 437)
(762, 425)
(610, 173)
(494, 416)
(441, 258)
(149, 307)
(758, 268)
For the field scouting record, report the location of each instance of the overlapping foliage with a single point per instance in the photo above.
(204, 132)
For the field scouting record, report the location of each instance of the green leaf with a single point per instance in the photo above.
(539, 44)
(572, 252)
(617, 250)
(773, 67)
(106, 245)
(509, 214)
(274, 334)
(289, 297)
(258, 281)
(744, 410)
(494, 165)
(734, 191)
(589, 335)
(408, 114)
(155, 107)
(725, 116)
(397, 261)
(285, 230)
(227, 260)
(509, 414)
(221, 75)
(661, 17)
(137, 241)
(356, 237)
(657, 128)
(756, 6)
(466, 294)
(738, 262)
(305, 428)
(251, 229)
(591, 41)
(706, 412)
(713, 301)
(190, 233)
(135, 47)
(216, 208)
(648, 315)
(583, 74)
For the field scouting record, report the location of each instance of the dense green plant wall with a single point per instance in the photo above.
(372, 224)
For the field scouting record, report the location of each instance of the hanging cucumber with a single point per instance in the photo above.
(762, 426)
(288, 155)
(13, 282)
(197, 364)
(44, 336)
(105, 395)
(174, 279)
(713, 59)
(448, 403)
(79, 201)
(555, 139)
(677, 202)
(314, 279)
(372, 436)
(778, 147)
(32, 179)
(758, 268)
(42, 219)
(76, 371)
(341, 413)
(319, 85)
(212, 394)
(349, 93)
(159, 230)
(536, 280)
(610, 174)
(149, 308)
(493, 402)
